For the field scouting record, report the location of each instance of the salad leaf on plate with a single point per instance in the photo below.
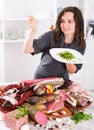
(66, 55)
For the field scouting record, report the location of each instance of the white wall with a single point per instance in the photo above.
(65, 3)
(19, 66)
(2, 65)
(89, 64)
(25, 8)
(89, 9)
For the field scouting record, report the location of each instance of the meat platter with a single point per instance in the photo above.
(40, 101)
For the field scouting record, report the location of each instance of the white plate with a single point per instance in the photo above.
(77, 60)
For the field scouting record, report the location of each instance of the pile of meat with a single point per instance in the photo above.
(41, 98)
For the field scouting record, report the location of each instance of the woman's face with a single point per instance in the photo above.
(67, 23)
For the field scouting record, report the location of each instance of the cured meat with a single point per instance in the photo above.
(48, 96)
(74, 87)
(7, 86)
(55, 105)
(15, 123)
(35, 114)
(41, 89)
(77, 96)
(52, 81)
(13, 95)
(58, 103)
(41, 99)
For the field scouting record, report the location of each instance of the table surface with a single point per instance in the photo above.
(65, 123)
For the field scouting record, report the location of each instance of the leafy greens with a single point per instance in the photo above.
(79, 116)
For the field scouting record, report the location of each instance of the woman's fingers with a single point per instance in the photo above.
(32, 22)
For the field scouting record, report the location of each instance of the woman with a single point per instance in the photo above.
(69, 33)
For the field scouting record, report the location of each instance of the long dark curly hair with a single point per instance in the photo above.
(79, 33)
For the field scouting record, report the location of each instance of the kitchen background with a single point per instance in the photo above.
(14, 64)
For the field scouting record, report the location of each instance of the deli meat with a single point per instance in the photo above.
(43, 99)
(77, 96)
(58, 103)
(15, 123)
(53, 81)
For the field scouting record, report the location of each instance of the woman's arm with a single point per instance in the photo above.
(28, 43)
(71, 68)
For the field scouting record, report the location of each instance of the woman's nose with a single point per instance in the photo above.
(66, 24)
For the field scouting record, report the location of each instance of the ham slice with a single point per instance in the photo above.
(58, 103)
(53, 80)
(54, 105)
(12, 122)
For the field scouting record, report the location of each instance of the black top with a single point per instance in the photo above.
(48, 66)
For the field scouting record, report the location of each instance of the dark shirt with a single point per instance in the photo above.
(48, 66)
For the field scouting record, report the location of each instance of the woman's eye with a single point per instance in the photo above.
(70, 21)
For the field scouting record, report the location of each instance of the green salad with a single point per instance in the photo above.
(66, 55)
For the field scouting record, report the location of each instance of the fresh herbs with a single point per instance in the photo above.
(66, 55)
(79, 116)
(22, 112)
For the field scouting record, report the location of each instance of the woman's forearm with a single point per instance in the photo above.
(71, 68)
(28, 43)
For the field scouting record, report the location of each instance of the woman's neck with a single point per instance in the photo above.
(69, 38)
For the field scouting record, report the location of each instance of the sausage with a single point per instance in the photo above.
(35, 114)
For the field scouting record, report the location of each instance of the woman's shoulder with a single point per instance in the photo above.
(50, 32)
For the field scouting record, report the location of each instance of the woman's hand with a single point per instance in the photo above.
(28, 43)
(32, 23)
(71, 68)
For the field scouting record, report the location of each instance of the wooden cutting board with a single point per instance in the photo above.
(64, 112)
